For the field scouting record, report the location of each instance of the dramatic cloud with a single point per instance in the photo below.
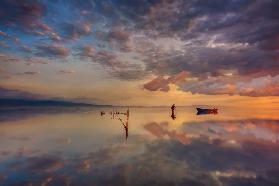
(221, 45)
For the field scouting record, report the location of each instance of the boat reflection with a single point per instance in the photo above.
(201, 111)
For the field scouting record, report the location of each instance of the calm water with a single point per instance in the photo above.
(78, 146)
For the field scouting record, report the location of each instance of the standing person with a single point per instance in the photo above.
(173, 116)
(173, 107)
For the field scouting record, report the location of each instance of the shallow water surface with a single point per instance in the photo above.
(79, 146)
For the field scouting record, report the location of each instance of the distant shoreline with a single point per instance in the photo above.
(43, 103)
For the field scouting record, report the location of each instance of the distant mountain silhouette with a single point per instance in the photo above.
(30, 102)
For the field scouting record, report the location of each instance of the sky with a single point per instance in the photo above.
(141, 52)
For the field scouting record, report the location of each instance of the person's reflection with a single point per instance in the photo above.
(173, 116)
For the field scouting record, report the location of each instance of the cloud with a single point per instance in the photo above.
(87, 51)
(217, 70)
(4, 45)
(234, 132)
(29, 73)
(52, 50)
(8, 58)
(161, 131)
(119, 39)
(44, 163)
(13, 93)
(119, 35)
(162, 84)
(76, 30)
(163, 159)
(64, 141)
(259, 86)
(208, 40)
(24, 14)
(37, 60)
(66, 71)
(135, 73)
(8, 37)
(217, 36)
(3, 34)
(117, 67)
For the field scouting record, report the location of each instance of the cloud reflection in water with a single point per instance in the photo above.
(209, 152)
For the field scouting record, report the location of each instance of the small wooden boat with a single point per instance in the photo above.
(207, 111)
